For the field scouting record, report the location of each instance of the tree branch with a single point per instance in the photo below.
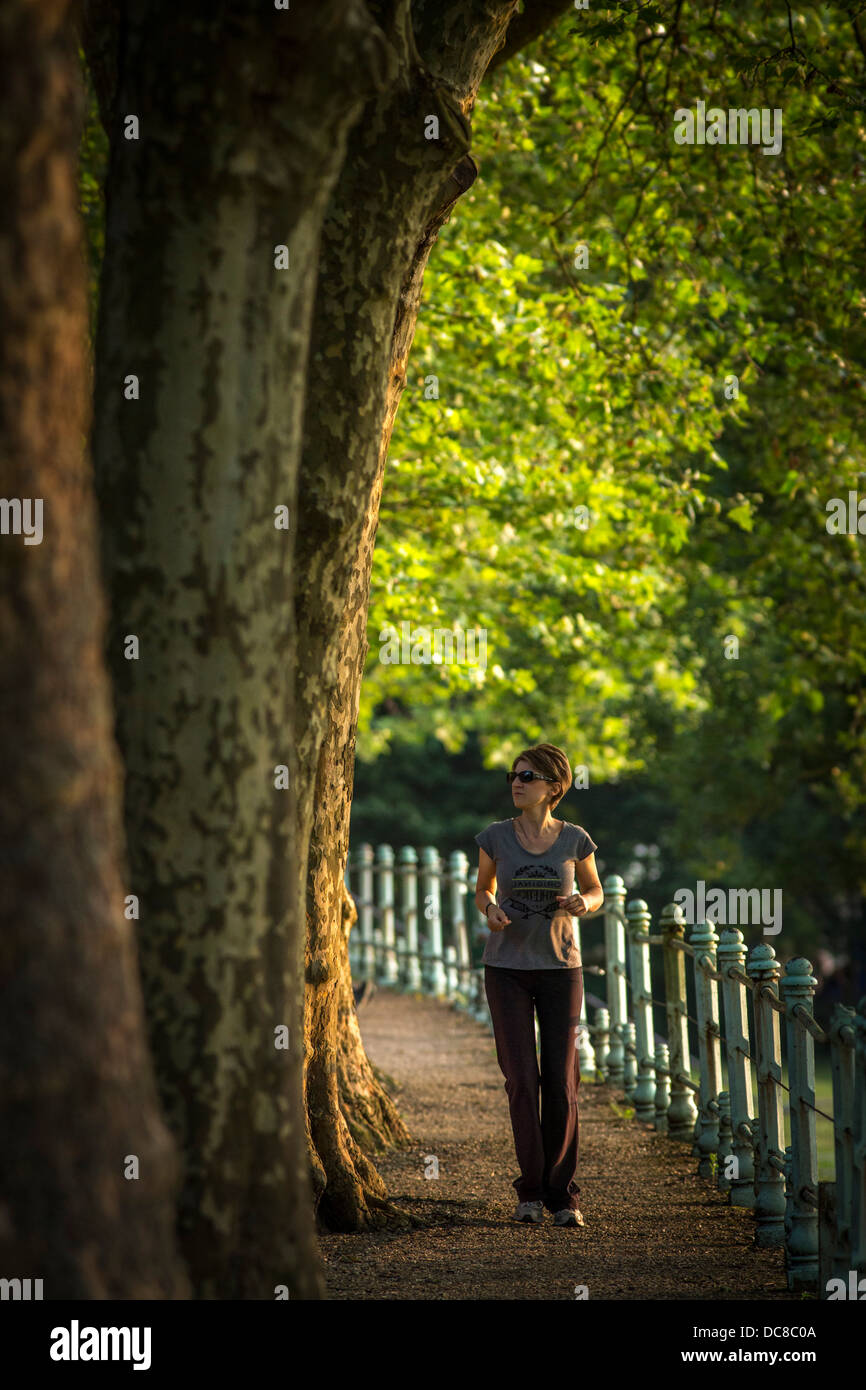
(538, 16)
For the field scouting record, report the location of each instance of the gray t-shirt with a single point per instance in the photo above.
(539, 936)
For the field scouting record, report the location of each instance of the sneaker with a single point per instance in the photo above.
(569, 1216)
(529, 1211)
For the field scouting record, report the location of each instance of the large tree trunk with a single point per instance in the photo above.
(395, 191)
(78, 1101)
(244, 112)
(348, 1111)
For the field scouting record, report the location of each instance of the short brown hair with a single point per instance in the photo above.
(549, 760)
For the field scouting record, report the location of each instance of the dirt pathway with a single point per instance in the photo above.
(654, 1229)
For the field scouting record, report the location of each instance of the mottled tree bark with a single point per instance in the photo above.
(395, 190)
(78, 1100)
(243, 116)
(348, 1111)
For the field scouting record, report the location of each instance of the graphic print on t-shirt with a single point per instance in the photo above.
(533, 891)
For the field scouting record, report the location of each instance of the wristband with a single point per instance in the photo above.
(490, 904)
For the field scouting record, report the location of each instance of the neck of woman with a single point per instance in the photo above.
(535, 823)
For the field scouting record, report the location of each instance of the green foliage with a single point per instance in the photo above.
(609, 386)
(699, 386)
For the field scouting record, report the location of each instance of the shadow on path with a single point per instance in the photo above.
(654, 1229)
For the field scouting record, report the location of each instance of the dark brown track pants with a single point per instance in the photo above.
(546, 1148)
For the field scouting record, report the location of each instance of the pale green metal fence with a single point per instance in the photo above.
(428, 936)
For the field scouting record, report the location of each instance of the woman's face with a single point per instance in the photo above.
(531, 793)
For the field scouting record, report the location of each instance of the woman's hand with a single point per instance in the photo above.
(496, 919)
(572, 903)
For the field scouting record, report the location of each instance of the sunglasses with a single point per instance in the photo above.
(527, 777)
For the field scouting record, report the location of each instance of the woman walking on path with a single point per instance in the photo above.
(531, 964)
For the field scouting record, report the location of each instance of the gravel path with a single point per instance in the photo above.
(654, 1229)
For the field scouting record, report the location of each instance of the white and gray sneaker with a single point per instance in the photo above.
(529, 1211)
(569, 1216)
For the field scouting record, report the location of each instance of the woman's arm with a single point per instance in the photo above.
(485, 892)
(485, 884)
(591, 895)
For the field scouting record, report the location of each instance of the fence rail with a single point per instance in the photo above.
(434, 946)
